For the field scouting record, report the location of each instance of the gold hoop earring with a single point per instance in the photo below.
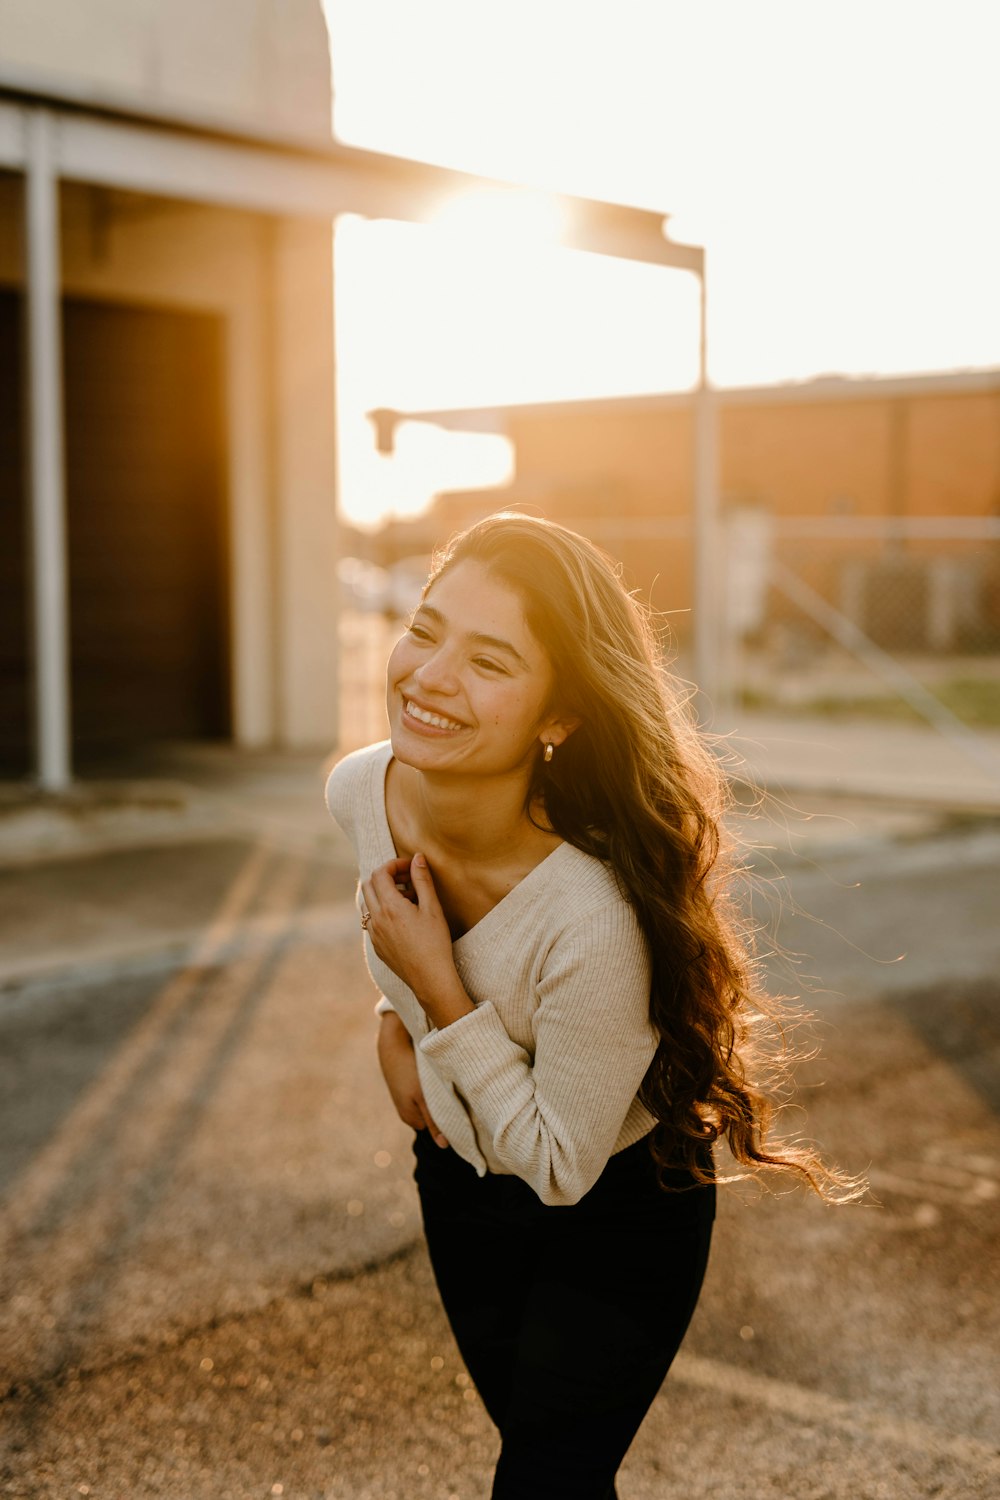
(549, 752)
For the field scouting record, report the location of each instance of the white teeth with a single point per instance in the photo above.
(428, 718)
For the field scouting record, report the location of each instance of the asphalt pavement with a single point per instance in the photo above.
(213, 1283)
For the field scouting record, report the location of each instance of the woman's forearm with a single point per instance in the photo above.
(398, 1062)
(444, 999)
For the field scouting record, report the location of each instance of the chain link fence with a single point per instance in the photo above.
(864, 616)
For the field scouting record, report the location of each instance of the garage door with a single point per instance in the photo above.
(146, 486)
(14, 703)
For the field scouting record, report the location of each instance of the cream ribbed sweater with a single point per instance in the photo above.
(540, 1079)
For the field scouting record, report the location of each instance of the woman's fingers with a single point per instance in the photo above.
(437, 1135)
(423, 883)
(413, 1111)
(411, 936)
(391, 876)
(408, 877)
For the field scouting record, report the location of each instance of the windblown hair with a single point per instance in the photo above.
(636, 786)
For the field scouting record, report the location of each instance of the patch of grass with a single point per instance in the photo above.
(974, 700)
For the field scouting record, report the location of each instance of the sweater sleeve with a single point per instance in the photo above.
(347, 786)
(342, 795)
(553, 1118)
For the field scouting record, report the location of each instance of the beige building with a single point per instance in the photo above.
(168, 541)
(883, 494)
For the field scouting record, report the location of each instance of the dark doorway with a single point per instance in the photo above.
(148, 566)
(15, 713)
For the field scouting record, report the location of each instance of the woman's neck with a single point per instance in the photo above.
(468, 818)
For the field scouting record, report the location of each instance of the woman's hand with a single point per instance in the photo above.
(399, 1069)
(409, 932)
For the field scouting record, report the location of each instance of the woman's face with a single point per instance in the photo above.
(468, 688)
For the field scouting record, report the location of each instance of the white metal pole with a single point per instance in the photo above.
(707, 562)
(46, 448)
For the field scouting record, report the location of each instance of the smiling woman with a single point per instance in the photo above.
(568, 1012)
(469, 683)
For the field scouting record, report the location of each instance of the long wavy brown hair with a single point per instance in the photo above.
(636, 785)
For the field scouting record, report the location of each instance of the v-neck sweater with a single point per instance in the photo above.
(541, 1079)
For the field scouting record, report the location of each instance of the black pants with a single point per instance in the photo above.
(567, 1318)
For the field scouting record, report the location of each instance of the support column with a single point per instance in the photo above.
(708, 561)
(307, 645)
(47, 482)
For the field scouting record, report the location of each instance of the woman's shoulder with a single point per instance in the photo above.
(581, 885)
(591, 928)
(354, 779)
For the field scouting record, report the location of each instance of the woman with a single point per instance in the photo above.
(567, 1016)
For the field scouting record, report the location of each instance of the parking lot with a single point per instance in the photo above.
(213, 1280)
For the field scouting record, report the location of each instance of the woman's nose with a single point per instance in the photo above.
(437, 672)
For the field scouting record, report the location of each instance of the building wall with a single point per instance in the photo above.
(256, 65)
(259, 68)
(643, 453)
(920, 454)
(807, 459)
(271, 282)
(304, 477)
(954, 455)
(615, 468)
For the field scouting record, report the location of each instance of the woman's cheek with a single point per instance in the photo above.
(396, 665)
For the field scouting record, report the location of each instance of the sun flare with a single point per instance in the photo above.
(847, 225)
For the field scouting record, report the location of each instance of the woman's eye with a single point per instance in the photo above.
(419, 632)
(491, 666)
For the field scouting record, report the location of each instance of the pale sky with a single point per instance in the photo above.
(839, 162)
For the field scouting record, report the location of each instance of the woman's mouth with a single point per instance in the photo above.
(425, 716)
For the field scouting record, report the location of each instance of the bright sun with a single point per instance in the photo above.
(455, 315)
(849, 226)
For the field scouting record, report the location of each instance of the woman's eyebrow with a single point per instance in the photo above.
(496, 641)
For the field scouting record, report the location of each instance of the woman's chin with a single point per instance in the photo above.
(416, 749)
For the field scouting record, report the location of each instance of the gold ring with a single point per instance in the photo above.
(366, 918)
